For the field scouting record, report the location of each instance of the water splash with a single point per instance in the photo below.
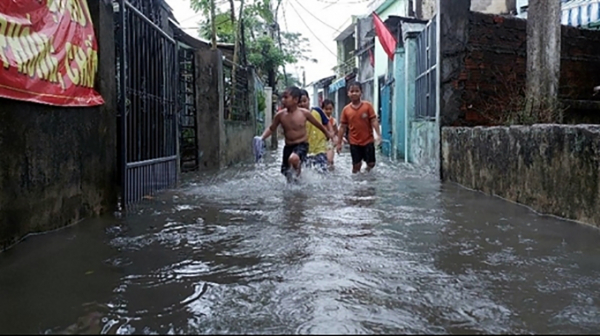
(241, 251)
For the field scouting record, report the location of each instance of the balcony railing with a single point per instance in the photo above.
(346, 68)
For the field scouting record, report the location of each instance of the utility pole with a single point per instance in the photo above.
(213, 24)
(285, 79)
(303, 77)
(271, 78)
(543, 56)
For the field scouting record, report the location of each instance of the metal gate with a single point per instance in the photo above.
(147, 93)
(425, 85)
(188, 139)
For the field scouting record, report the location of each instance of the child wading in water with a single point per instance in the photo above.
(328, 106)
(293, 120)
(317, 142)
(359, 117)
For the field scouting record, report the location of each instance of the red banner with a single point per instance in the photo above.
(48, 52)
(387, 40)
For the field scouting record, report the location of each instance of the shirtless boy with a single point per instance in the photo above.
(293, 120)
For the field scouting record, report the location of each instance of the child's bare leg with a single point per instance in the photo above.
(330, 155)
(294, 161)
(370, 166)
(356, 168)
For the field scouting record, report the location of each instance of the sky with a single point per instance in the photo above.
(318, 20)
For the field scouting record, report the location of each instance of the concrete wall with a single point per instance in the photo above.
(59, 164)
(222, 142)
(410, 33)
(210, 118)
(555, 169)
(398, 127)
(485, 72)
(236, 145)
(454, 22)
(365, 69)
(424, 145)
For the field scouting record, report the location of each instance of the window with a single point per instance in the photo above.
(570, 20)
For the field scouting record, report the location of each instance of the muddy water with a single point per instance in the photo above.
(394, 251)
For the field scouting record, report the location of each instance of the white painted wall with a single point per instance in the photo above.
(490, 6)
(482, 6)
(398, 8)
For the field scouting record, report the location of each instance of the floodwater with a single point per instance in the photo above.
(394, 251)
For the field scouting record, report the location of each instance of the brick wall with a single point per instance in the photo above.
(494, 68)
(580, 63)
(492, 77)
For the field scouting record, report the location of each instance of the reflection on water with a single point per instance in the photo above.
(241, 251)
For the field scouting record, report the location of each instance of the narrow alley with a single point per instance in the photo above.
(394, 251)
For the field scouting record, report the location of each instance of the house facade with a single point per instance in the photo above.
(346, 67)
(404, 88)
(575, 13)
(383, 65)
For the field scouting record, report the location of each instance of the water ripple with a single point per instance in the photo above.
(241, 252)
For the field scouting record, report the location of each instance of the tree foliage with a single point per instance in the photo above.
(262, 51)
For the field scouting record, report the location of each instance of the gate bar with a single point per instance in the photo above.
(151, 161)
(123, 104)
(148, 21)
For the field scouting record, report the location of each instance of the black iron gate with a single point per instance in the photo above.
(425, 85)
(147, 84)
(188, 139)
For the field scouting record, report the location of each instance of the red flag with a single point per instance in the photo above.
(387, 40)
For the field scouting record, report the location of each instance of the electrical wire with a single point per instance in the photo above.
(284, 19)
(198, 14)
(311, 14)
(356, 2)
(216, 24)
(310, 30)
(279, 40)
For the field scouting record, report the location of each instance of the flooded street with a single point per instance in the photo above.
(394, 251)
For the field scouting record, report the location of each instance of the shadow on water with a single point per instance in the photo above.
(240, 251)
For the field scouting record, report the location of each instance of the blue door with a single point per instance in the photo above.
(386, 120)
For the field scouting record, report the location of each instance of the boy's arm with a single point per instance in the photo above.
(375, 125)
(267, 133)
(342, 128)
(341, 132)
(317, 124)
(374, 122)
(273, 128)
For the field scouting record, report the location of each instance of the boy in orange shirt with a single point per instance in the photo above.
(359, 116)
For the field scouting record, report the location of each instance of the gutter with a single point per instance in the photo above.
(385, 6)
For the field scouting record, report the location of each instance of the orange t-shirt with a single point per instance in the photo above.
(359, 123)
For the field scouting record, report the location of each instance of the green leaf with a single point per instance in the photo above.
(262, 51)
